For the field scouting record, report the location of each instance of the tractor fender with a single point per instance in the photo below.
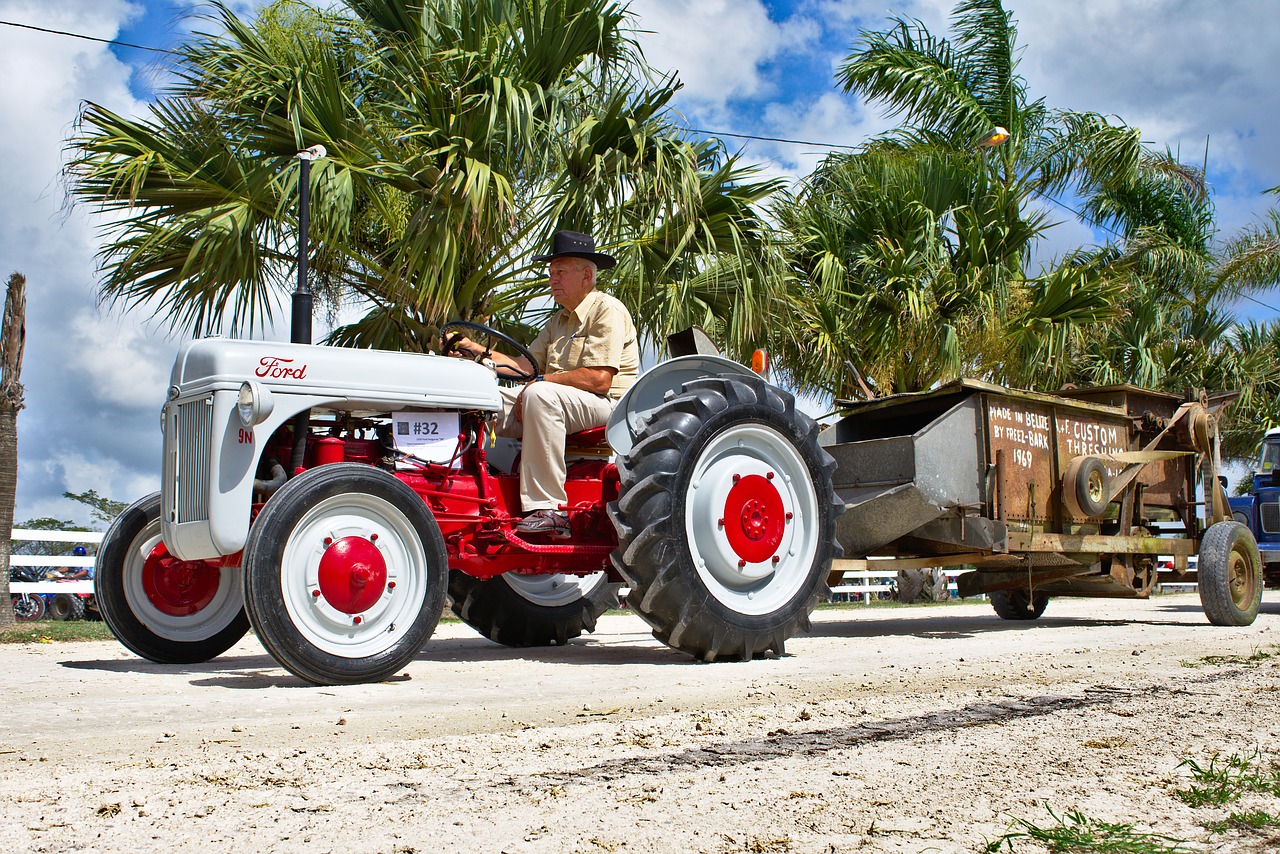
(649, 391)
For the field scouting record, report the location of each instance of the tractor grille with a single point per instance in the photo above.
(1270, 518)
(186, 460)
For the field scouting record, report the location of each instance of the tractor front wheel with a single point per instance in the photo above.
(345, 573)
(531, 610)
(726, 519)
(164, 609)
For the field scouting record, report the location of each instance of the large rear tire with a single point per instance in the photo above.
(345, 574)
(726, 519)
(1229, 575)
(1017, 605)
(164, 609)
(531, 610)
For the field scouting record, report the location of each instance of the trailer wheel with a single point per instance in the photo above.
(345, 573)
(27, 607)
(66, 606)
(726, 519)
(531, 610)
(1017, 605)
(1229, 575)
(164, 609)
(1085, 487)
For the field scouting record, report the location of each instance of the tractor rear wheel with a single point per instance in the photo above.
(1229, 575)
(726, 519)
(531, 610)
(345, 573)
(164, 609)
(1017, 605)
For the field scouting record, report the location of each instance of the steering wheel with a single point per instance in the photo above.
(449, 342)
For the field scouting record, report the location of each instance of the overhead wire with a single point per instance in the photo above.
(86, 38)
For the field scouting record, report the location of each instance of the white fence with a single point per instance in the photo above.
(870, 583)
(51, 586)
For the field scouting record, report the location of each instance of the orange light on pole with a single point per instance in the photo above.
(760, 363)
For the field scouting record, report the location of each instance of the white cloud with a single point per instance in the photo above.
(718, 47)
(74, 433)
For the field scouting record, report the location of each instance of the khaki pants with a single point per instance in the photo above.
(549, 413)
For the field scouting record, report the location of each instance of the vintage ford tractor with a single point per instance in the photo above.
(333, 498)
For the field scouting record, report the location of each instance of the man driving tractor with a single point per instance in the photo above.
(588, 355)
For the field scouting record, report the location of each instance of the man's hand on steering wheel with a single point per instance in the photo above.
(454, 342)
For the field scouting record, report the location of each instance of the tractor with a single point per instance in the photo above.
(334, 500)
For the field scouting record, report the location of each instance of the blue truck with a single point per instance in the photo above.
(1259, 511)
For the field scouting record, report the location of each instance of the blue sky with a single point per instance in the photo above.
(1181, 70)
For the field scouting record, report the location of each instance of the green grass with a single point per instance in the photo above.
(1225, 780)
(57, 631)
(1076, 832)
(1252, 660)
(1247, 820)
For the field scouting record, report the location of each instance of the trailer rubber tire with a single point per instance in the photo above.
(1017, 605)
(27, 608)
(1085, 486)
(726, 519)
(66, 606)
(164, 609)
(531, 610)
(1229, 575)
(345, 574)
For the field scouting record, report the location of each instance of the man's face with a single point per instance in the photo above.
(571, 280)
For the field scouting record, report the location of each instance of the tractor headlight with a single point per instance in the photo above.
(254, 404)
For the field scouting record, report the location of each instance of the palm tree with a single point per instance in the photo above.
(911, 253)
(12, 343)
(460, 134)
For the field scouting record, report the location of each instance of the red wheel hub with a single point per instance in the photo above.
(754, 518)
(353, 574)
(176, 587)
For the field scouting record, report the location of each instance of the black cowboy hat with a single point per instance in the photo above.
(573, 244)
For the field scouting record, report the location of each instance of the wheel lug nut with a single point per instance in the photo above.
(776, 559)
(328, 541)
(391, 585)
(357, 619)
(769, 476)
(742, 564)
(720, 522)
(789, 515)
(737, 477)
(315, 594)
(373, 538)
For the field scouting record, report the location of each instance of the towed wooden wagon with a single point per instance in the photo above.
(1073, 494)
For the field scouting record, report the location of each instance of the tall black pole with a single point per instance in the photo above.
(300, 331)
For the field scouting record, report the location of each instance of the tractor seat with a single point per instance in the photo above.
(588, 441)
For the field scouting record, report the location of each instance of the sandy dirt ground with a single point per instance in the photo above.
(899, 730)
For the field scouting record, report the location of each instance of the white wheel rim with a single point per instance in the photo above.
(227, 602)
(553, 591)
(751, 586)
(380, 626)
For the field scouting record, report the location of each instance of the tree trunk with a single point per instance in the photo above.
(13, 335)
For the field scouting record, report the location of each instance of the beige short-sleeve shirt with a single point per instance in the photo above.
(598, 333)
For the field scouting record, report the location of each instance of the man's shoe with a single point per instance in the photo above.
(550, 522)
